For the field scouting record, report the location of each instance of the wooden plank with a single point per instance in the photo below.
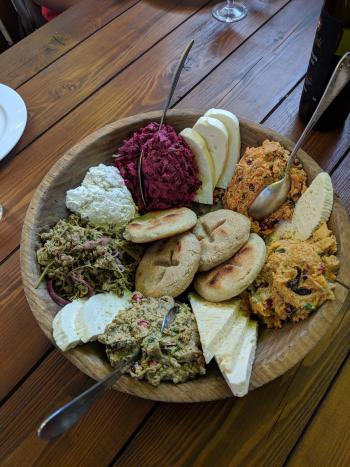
(94, 440)
(101, 109)
(62, 86)
(259, 429)
(22, 342)
(35, 52)
(326, 440)
(326, 148)
(264, 70)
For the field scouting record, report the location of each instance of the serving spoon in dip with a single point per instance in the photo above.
(67, 415)
(272, 196)
(172, 88)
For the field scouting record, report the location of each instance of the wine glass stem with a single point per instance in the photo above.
(230, 3)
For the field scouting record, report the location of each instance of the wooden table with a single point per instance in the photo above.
(103, 60)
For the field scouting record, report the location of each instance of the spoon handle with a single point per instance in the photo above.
(337, 82)
(175, 80)
(67, 415)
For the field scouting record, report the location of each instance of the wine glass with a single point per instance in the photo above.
(229, 11)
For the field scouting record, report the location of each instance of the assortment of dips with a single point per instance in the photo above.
(297, 278)
(216, 254)
(174, 355)
(258, 168)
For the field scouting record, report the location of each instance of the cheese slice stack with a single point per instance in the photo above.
(226, 333)
(213, 322)
(231, 123)
(216, 136)
(84, 320)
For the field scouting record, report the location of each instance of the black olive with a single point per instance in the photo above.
(294, 283)
(302, 291)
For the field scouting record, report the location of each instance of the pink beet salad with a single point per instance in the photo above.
(169, 170)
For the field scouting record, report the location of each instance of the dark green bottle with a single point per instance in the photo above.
(332, 41)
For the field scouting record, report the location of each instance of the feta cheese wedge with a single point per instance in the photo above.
(314, 206)
(226, 355)
(231, 123)
(97, 312)
(214, 321)
(216, 136)
(63, 326)
(238, 376)
(205, 165)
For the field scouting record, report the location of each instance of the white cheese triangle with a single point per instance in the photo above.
(239, 376)
(214, 321)
(227, 353)
(98, 312)
(215, 135)
(231, 123)
(314, 206)
(63, 326)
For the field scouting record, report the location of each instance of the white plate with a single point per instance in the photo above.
(13, 119)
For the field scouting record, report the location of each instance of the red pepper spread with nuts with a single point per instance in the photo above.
(297, 278)
(258, 168)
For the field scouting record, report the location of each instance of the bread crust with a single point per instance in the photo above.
(156, 225)
(232, 277)
(168, 266)
(221, 234)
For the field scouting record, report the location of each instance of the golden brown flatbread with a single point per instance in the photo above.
(168, 266)
(156, 225)
(221, 234)
(230, 278)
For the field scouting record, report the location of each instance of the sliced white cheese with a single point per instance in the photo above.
(227, 353)
(98, 312)
(214, 321)
(238, 378)
(314, 206)
(215, 134)
(231, 123)
(63, 326)
(205, 165)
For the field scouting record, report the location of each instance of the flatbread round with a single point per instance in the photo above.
(233, 276)
(156, 225)
(221, 234)
(168, 266)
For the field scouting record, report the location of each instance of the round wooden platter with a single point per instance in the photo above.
(278, 350)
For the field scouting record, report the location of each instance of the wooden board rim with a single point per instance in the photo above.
(194, 391)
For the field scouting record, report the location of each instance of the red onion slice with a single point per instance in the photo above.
(55, 297)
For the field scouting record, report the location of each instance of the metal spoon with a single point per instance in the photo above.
(67, 415)
(271, 197)
(173, 85)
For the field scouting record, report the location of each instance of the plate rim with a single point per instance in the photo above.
(7, 143)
